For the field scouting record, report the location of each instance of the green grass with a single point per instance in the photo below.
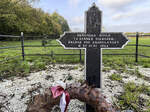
(116, 62)
(106, 69)
(130, 98)
(17, 67)
(116, 77)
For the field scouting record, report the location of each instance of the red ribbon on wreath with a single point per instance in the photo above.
(65, 98)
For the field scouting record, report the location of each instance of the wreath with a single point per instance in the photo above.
(52, 96)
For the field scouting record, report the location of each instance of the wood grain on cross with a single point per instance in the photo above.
(93, 55)
(93, 41)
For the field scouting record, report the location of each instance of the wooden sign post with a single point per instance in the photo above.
(93, 41)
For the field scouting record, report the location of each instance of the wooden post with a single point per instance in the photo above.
(52, 54)
(22, 45)
(137, 44)
(93, 41)
(93, 55)
(80, 55)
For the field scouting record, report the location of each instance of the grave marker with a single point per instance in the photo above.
(93, 41)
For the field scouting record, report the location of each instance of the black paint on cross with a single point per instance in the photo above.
(93, 41)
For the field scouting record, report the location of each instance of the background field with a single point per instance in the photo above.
(11, 67)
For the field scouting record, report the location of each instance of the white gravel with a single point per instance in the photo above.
(15, 93)
(145, 71)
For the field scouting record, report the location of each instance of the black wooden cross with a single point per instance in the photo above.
(93, 41)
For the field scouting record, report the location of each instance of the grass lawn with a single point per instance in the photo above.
(6, 67)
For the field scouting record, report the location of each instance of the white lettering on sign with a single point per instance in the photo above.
(106, 46)
(86, 38)
(105, 42)
(104, 38)
(74, 42)
(86, 35)
(84, 45)
(87, 42)
(104, 35)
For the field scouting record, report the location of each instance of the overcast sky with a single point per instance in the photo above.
(118, 15)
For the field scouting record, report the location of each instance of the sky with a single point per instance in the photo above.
(117, 15)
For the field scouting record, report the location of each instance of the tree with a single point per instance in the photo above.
(19, 16)
(59, 19)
